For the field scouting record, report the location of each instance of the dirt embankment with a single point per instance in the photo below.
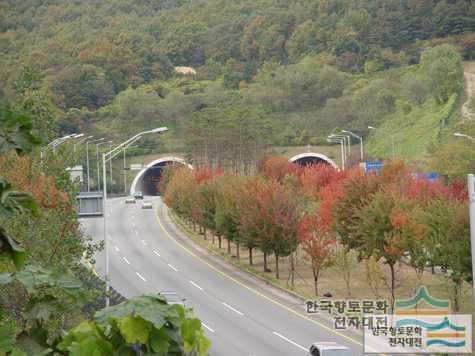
(469, 75)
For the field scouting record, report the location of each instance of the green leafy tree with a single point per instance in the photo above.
(442, 68)
(449, 233)
(383, 238)
(35, 100)
(144, 324)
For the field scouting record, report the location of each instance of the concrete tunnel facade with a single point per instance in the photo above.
(148, 179)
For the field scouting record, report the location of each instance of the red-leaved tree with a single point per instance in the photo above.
(318, 243)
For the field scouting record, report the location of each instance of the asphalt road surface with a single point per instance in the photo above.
(241, 316)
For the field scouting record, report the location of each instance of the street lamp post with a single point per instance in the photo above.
(87, 161)
(110, 166)
(64, 139)
(80, 141)
(360, 138)
(341, 141)
(124, 169)
(458, 134)
(105, 158)
(56, 142)
(98, 164)
(347, 142)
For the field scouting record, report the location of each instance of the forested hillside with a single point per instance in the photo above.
(289, 71)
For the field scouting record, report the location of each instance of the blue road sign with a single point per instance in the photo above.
(373, 166)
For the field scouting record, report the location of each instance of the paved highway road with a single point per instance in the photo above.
(241, 315)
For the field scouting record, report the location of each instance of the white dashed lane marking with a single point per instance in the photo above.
(116, 248)
(141, 277)
(207, 327)
(155, 252)
(197, 286)
(233, 309)
(126, 260)
(289, 341)
(173, 267)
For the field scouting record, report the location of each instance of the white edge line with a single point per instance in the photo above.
(141, 277)
(289, 341)
(155, 252)
(207, 327)
(126, 260)
(234, 310)
(173, 268)
(197, 286)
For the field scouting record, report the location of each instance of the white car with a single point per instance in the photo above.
(147, 205)
(130, 200)
(328, 349)
(173, 297)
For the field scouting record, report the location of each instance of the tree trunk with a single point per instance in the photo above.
(212, 237)
(315, 279)
(204, 232)
(250, 256)
(229, 246)
(237, 251)
(276, 266)
(219, 241)
(393, 285)
(292, 270)
(194, 227)
(265, 262)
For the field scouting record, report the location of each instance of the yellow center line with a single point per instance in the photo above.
(255, 291)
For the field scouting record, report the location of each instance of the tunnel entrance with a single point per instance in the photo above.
(151, 180)
(148, 179)
(308, 161)
(309, 158)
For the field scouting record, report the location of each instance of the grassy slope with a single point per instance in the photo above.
(413, 132)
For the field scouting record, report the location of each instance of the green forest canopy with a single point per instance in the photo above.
(305, 67)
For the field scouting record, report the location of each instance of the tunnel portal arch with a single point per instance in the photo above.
(147, 179)
(307, 158)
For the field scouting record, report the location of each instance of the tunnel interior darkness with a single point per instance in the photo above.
(309, 160)
(150, 182)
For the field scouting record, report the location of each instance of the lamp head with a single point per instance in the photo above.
(159, 129)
